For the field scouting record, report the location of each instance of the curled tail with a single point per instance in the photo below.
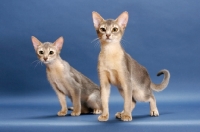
(164, 83)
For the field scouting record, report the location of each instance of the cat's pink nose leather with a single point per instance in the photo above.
(45, 58)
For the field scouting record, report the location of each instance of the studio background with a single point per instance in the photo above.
(161, 34)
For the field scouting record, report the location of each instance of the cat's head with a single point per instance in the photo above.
(110, 30)
(47, 52)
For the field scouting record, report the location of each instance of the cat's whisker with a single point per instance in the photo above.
(123, 42)
(94, 40)
(37, 62)
(97, 44)
(41, 63)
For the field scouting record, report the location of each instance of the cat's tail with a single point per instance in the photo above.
(164, 83)
(71, 108)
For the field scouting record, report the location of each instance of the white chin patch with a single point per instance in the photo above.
(45, 62)
(108, 40)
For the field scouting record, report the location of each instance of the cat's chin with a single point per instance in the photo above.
(111, 41)
(108, 40)
(46, 62)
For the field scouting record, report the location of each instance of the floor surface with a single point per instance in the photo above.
(39, 114)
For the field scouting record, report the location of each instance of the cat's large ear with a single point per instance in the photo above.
(122, 19)
(59, 43)
(97, 19)
(35, 42)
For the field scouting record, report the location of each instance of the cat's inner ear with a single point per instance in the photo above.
(59, 43)
(97, 19)
(35, 42)
(122, 20)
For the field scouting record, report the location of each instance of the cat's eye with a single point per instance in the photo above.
(41, 52)
(51, 52)
(115, 29)
(102, 29)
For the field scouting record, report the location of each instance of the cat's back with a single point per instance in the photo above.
(138, 73)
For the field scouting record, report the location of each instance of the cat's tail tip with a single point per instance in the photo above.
(32, 37)
(164, 71)
(164, 83)
(70, 108)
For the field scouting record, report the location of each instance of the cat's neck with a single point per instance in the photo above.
(55, 63)
(111, 47)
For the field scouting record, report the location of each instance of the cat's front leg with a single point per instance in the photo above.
(76, 99)
(119, 114)
(63, 103)
(105, 92)
(127, 95)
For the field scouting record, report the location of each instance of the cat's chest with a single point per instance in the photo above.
(111, 60)
(55, 72)
(57, 79)
(112, 64)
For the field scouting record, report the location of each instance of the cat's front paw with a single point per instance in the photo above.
(118, 115)
(126, 117)
(103, 117)
(62, 113)
(75, 113)
(97, 111)
(154, 112)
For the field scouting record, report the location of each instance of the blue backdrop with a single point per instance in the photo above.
(160, 34)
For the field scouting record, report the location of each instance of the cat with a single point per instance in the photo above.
(116, 67)
(66, 81)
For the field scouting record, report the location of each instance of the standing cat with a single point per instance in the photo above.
(66, 81)
(117, 67)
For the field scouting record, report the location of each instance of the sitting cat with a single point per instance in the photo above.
(66, 81)
(117, 67)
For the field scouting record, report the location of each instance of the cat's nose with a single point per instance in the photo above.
(45, 58)
(107, 35)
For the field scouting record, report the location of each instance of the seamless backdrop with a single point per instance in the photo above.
(161, 34)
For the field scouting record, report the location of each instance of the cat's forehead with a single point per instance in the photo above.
(47, 45)
(108, 23)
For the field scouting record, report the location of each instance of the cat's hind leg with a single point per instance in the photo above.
(85, 110)
(94, 103)
(153, 107)
(97, 111)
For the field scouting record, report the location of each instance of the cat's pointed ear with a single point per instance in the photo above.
(97, 19)
(35, 42)
(59, 43)
(122, 19)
